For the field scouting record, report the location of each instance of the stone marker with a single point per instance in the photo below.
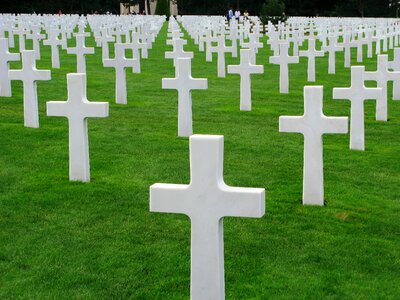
(120, 63)
(357, 94)
(29, 75)
(313, 124)
(395, 66)
(80, 51)
(311, 54)
(332, 48)
(283, 60)
(5, 58)
(207, 200)
(54, 42)
(77, 109)
(178, 51)
(245, 69)
(382, 75)
(184, 83)
(221, 49)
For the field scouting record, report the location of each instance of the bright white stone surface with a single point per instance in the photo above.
(120, 63)
(311, 54)
(357, 93)
(5, 58)
(29, 75)
(184, 83)
(283, 60)
(382, 75)
(221, 49)
(245, 69)
(313, 124)
(77, 109)
(207, 200)
(80, 51)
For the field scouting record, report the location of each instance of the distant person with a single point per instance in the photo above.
(237, 14)
(59, 12)
(230, 14)
(246, 15)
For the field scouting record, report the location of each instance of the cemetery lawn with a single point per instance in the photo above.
(98, 240)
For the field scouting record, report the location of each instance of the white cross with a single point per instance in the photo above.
(178, 51)
(29, 75)
(313, 124)
(382, 75)
(5, 58)
(395, 66)
(311, 54)
(283, 60)
(54, 42)
(36, 37)
(359, 43)
(104, 39)
(347, 45)
(184, 83)
(207, 200)
(77, 109)
(120, 63)
(332, 49)
(253, 45)
(357, 94)
(245, 69)
(221, 49)
(20, 31)
(80, 51)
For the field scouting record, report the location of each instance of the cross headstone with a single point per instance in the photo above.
(245, 69)
(54, 42)
(347, 45)
(311, 54)
(5, 58)
(80, 51)
(357, 94)
(207, 200)
(184, 83)
(120, 63)
(29, 75)
(78, 109)
(395, 66)
(332, 48)
(178, 51)
(313, 124)
(104, 39)
(283, 60)
(382, 76)
(221, 49)
(36, 37)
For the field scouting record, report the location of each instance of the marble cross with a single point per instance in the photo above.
(207, 200)
(395, 66)
(29, 75)
(221, 49)
(80, 51)
(78, 109)
(313, 124)
(120, 63)
(104, 39)
(5, 58)
(347, 45)
(245, 69)
(357, 93)
(283, 60)
(332, 48)
(382, 75)
(36, 37)
(178, 51)
(184, 83)
(311, 54)
(54, 42)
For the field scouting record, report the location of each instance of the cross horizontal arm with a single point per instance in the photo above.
(168, 198)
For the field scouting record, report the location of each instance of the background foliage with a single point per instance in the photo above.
(367, 8)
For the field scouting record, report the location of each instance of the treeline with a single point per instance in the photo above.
(345, 8)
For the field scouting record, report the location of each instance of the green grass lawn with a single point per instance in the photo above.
(98, 240)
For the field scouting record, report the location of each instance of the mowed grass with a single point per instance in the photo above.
(98, 240)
